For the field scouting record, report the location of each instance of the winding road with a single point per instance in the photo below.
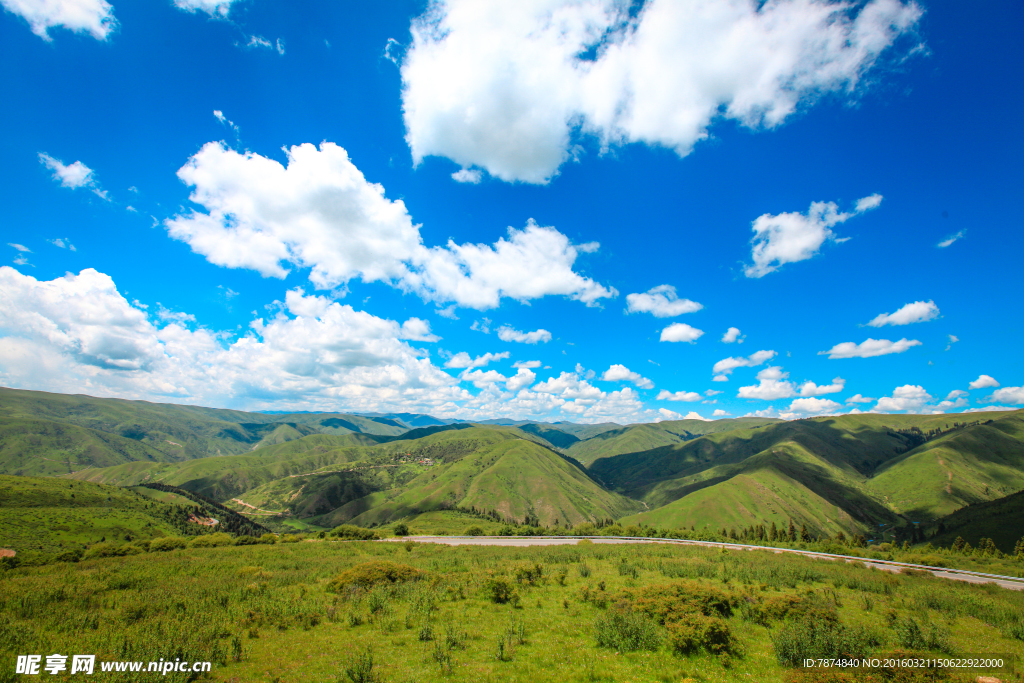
(1008, 582)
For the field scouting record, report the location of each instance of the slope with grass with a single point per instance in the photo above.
(822, 472)
(979, 463)
(1002, 520)
(510, 475)
(46, 516)
(645, 437)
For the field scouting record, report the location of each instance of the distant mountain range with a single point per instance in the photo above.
(884, 476)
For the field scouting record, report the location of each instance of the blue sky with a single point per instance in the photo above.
(547, 210)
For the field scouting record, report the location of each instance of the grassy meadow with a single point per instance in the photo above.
(297, 612)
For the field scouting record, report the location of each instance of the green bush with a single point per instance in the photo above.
(290, 538)
(246, 540)
(167, 543)
(499, 590)
(211, 541)
(353, 533)
(765, 611)
(696, 631)
(626, 631)
(670, 602)
(359, 667)
(401, 529)
(529, 573)
(374, 573)
(813, 637)
(70, 555)
(473, 531)
(268, 539)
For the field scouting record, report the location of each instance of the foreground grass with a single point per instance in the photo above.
(263, 613)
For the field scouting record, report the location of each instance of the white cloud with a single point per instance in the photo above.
(720, 378)
(416, 329)
(952, 238)
(869, 348)
(948, 405)
(522, 378)
(73, 175)
(320, 212)
(1014, 395)
(78, 334)
(532, 263)
(805, 407)
(990, 409)
(719, 413)
(510, 334)
(771, 385)
(620, 373)
(215, 8)
(466, 175)
(812, 389)
(62, 243)
(952, 340)
(661, 301)
(666, 414)
(908, 398)
(983, 382)
(680, 332)
(732, 335)
(712, 392)
(93, 16)
(481, 378)
(917, 312)
(685, 396)
(791, 237)
(463, 360)
(956, 393)
(447, 312)
(506, 87)
(20, 247)
(528, 364)
(727, 365)
(857, 398)
(693, 416)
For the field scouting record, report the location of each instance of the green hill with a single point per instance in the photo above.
(47, 516)
(963, 467)
(510, 476)
(850, 473)
(1002, 520)
(104, 429)
(645, 437)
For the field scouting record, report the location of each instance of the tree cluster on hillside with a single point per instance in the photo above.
(228, 520)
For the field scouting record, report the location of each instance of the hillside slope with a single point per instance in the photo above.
(513, 477)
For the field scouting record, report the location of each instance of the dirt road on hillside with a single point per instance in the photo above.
(1007, 582)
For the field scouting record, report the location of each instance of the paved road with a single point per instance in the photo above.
(1009, 582)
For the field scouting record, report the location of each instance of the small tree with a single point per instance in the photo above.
(401, 529)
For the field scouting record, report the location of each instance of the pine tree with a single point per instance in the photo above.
(804, 536)
(841, 538)
(959, 543)
(792, 531)
(773, 535)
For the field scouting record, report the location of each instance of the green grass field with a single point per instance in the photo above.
(572, 613)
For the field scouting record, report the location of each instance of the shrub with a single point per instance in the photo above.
(374, 573)
(814, 637)
(697, 631)
(626, 631)
(290, 538)
(70, 555)
(210, 541)
(498, 590)
(359, 667)
(167, 543)
(355, 533)
(530, 574)
(401, 529)
(584, 570)
(246, 540)
(473, 531)
(764, 611)
(269, 539)
(672, 601)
